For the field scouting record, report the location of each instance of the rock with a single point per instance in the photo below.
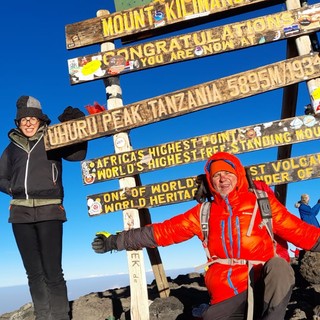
(166, 308)
(186, 293)
(310, 266)
(24, 313)
(102, 305)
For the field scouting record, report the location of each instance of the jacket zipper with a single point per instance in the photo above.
(54, 173)
(26, 177)
(27, 165)
(235, 290)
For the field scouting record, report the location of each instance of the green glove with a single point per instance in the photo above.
(104, 242)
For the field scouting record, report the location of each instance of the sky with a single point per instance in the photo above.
(34, 62)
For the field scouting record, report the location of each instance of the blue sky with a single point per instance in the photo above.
(34, 62)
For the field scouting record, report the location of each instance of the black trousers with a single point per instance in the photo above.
(40, 246)
(271, 296)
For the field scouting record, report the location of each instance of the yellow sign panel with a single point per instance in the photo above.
(240, 140)
(205, 95)
(181, 190)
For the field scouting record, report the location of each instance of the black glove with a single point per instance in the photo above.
(104, 242)
(202, 193)
(319, 201)
(70, 113)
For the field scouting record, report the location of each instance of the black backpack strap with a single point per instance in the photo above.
(265, 209)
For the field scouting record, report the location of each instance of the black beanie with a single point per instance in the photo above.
(28, 106)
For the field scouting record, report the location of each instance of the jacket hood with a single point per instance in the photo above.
(17, 137)
(242, 183)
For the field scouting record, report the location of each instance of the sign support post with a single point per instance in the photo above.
(304, 46)
(138, 285)
(299, 46)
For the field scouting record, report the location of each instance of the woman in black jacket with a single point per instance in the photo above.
(33, 178)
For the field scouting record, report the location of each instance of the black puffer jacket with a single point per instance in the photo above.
(27, 171)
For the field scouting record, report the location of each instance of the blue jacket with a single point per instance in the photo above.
(309, 214)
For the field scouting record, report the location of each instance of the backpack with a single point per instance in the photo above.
(263, 204)
(266, 221)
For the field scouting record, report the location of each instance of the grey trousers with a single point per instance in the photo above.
(271, 296)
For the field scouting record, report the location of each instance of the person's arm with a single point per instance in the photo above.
(134, 239)
(315, 209)
(177, 229)
(75, 152)
(288, 226)
(291, 228)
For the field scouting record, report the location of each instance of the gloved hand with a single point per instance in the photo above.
(70, 113)
(104, 242)
(297, 204)
(202, 193)
(319, 201)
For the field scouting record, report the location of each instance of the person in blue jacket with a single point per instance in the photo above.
(307, 213)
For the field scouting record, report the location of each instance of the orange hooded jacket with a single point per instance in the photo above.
(228, 224)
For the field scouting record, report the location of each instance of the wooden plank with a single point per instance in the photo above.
(153, 16)
(199, 44)
(205, 95)
(296, 169)
(239, 140)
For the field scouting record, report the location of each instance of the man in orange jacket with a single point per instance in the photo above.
(241, 250)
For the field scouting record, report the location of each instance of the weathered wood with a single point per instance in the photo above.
(239, 140)
(295, 169)
(154, 254)
(289, 106)
(139, 307)
(302, 46)
(144, 18)
(205, 95)
(257, 31)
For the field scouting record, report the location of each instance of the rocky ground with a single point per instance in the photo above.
(186, 292)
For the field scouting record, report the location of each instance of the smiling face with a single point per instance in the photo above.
(29, 126)
(224, 182)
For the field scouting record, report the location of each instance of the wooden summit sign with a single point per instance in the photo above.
(149, 17)
(245, 139)
(205, 95)
(176, 191)
(194, 45)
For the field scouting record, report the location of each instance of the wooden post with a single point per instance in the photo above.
(303, 46)
(139, 309)
(138, 284)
